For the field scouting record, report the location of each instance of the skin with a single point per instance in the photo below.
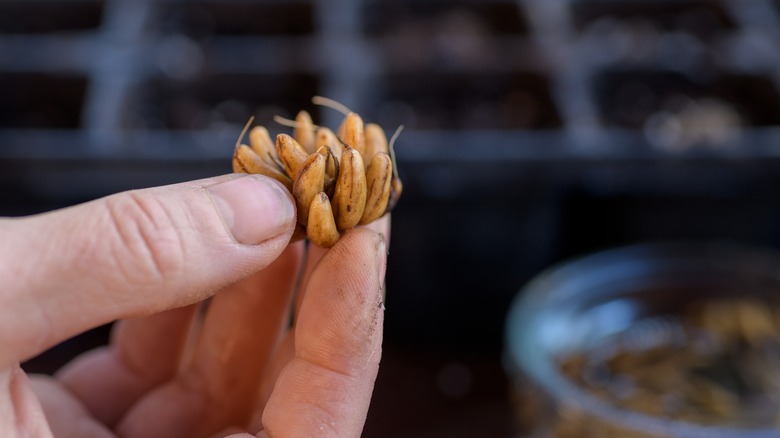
(245, 365)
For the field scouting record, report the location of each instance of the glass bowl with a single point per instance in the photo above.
(659, 340)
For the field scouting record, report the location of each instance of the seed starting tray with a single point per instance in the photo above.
(536, 130)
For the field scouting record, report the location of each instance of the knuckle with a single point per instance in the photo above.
(147, 246)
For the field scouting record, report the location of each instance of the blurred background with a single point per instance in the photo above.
(535, 131)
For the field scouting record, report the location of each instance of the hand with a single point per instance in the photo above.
(177, 367)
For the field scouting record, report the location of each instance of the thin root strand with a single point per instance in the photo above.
(243, 131)
(330, 103)
(290, 123)
(391, 148)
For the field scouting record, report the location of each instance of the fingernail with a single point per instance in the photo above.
(381, 249)
(253, 207)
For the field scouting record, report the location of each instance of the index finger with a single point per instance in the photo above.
(326, 388)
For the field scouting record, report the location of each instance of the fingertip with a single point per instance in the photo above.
(254, 208)
(372, 241)
(382, 226)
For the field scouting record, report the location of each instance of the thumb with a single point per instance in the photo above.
(133, 254)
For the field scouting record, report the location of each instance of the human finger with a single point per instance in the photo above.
(382, 226)
(326, 388)
(282, 355)
(143, 353)
(315, 253)
(65, 415)
(133, 254)
(240, 329)
(20, 411)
